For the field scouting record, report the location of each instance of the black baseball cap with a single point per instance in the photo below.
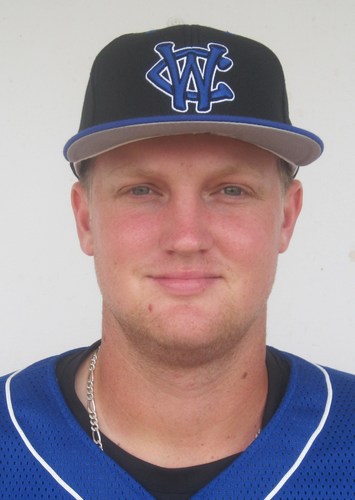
(188, 80)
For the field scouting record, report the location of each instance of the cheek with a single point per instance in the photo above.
(252, 237)
(252, 254)
(119, 238)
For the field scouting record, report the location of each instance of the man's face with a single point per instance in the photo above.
(185, 232)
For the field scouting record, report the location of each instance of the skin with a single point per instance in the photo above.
(185, 233)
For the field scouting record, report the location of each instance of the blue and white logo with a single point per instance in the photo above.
(189, 75)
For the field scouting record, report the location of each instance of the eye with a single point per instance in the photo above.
(140, 190)
(233, 191)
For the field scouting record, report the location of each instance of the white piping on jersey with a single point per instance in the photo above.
(24, 438)
(271, 495)
(311, 440)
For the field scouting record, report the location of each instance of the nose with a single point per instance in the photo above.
(186, 226)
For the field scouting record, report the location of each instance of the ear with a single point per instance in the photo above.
(81, 207)
(292, 207)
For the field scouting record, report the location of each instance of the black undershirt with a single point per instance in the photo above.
(165, 483)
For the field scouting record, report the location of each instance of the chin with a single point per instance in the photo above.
(184, 342)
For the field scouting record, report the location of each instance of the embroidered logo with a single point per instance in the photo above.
(189, 75)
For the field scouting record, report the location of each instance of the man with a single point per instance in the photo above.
(186, 195)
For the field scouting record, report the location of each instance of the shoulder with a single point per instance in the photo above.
(38, 378)
(39, 365)
(299, 364)
(31, 397)
(312, 386)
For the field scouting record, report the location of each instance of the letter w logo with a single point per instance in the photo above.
(188, 75)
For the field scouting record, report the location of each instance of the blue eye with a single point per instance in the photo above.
(140, 190)
(233, 191)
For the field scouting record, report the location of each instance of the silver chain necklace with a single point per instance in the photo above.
(91, 408)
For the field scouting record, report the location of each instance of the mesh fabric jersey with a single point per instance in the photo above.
(306, 450)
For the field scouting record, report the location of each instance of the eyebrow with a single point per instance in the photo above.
(149, 171)
(242, 169)
(126, 168)
(132, 170)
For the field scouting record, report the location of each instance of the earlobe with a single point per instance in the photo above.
(292, 207)
(81, 209)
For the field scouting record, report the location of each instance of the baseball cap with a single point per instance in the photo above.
(188, 79)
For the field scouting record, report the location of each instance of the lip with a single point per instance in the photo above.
(186, 283)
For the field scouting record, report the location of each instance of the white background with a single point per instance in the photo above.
(49, 297)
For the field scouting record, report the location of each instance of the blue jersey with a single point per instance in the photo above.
(306, 451)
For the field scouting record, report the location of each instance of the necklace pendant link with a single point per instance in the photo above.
(91, 408)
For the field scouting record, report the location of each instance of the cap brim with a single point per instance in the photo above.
(296, 146)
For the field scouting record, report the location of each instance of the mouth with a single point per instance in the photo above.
(185, 283)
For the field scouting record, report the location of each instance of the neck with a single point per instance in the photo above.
(179, 416)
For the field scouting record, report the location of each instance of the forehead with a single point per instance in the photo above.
(165, 155)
